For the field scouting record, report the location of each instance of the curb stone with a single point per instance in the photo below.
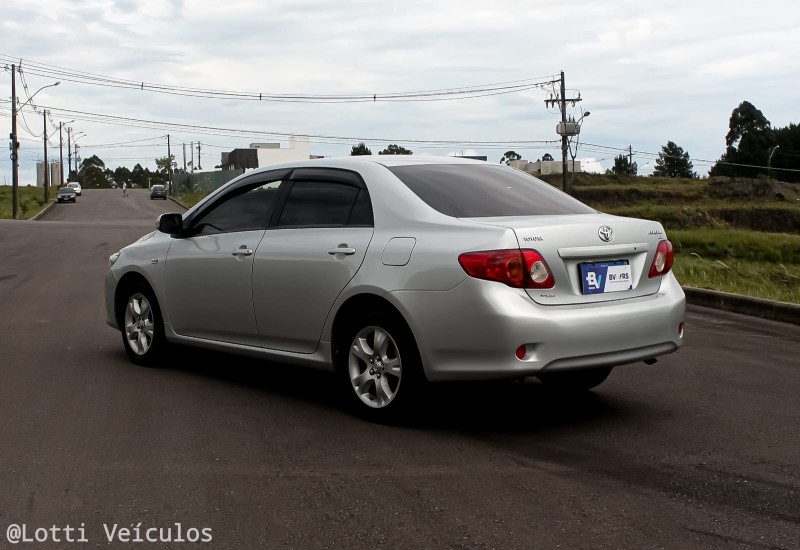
(758, 307)
(43, 210)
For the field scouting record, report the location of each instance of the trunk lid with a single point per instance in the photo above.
(568, 241)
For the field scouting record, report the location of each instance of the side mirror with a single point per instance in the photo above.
(170, 223)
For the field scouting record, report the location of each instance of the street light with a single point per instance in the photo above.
(577, 140)
(14, 142)
(769, 162)
(75, 138)
(69, 152)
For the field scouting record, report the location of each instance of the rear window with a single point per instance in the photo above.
(475, 191)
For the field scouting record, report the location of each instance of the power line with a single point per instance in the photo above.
(443, 94)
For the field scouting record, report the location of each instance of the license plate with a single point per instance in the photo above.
(602, 277)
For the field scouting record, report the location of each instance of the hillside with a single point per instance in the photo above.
(719, 203)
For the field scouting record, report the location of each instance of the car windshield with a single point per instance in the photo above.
(158, 188)
(66, 191)
(480, 191)
(73, 184)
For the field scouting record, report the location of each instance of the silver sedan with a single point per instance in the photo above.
(395, 271)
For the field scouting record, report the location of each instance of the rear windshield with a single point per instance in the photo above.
(475, 191)
(158, 188)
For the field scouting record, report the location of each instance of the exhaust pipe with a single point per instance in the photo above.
(651, 361)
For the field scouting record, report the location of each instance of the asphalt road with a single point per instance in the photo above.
(701, 450)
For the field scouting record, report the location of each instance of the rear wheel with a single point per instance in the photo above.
(142, 326)
(379, 363)
(575, 380)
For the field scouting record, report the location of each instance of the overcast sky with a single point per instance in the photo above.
(648, 72)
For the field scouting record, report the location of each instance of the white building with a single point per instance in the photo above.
(545, 167)
(267, 154)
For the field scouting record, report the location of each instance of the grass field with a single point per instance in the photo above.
(752, 263)
(31, 201)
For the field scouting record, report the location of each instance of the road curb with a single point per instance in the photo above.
(767, 309)
(42, 211)
(179, 203)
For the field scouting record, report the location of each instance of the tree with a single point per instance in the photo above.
(122, 175)
(623, 166)
(396, 150)
(673, 162)
(509, 156)
(163, 164)
(140, 176)
(748, 142)
(92, 173)
(360, 149)
(788, 139)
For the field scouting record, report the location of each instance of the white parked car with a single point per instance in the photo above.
(76, 186)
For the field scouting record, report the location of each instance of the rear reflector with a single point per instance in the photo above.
(514, 267)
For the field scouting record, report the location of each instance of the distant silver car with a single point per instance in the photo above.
(75, 187)
(397, 270)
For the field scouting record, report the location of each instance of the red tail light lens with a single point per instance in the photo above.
(663, 260)
(515, 268)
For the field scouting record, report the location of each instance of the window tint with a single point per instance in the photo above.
(317, 203)
(475, 191)
(248, 210)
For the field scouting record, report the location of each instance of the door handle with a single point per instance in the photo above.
(242, 252)
(343, 250)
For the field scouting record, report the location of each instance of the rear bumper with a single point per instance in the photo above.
(474, 330)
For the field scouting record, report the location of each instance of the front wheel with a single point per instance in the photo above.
(575, 380)
(380, 364)
(142, 327)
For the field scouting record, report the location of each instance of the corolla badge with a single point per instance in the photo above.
(606, 233)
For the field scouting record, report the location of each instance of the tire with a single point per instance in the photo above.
(142, 326)
(380, 379)
(575, 380)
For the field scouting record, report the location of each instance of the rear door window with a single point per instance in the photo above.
(325, 204)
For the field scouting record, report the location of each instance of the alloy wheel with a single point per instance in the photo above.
(139, 324)
(374, 367)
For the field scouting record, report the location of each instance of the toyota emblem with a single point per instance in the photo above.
(606, 233)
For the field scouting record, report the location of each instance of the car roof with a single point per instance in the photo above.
(353, 162)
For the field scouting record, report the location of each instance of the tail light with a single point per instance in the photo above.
(663, 260)
(515, 268)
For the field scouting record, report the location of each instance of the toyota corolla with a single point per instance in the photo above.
(396, 271)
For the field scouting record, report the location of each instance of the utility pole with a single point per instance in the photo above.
(169, 168)
(191, 149)
(565, 128)
(46, 181)
(60, 155)
(199, 166)
(184, 157)
(14, 147)
(630, 155)
(69, 153)
(564, 179)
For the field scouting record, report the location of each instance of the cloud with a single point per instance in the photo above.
(649, 73)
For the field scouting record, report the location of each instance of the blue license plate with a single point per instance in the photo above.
(603, 277)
